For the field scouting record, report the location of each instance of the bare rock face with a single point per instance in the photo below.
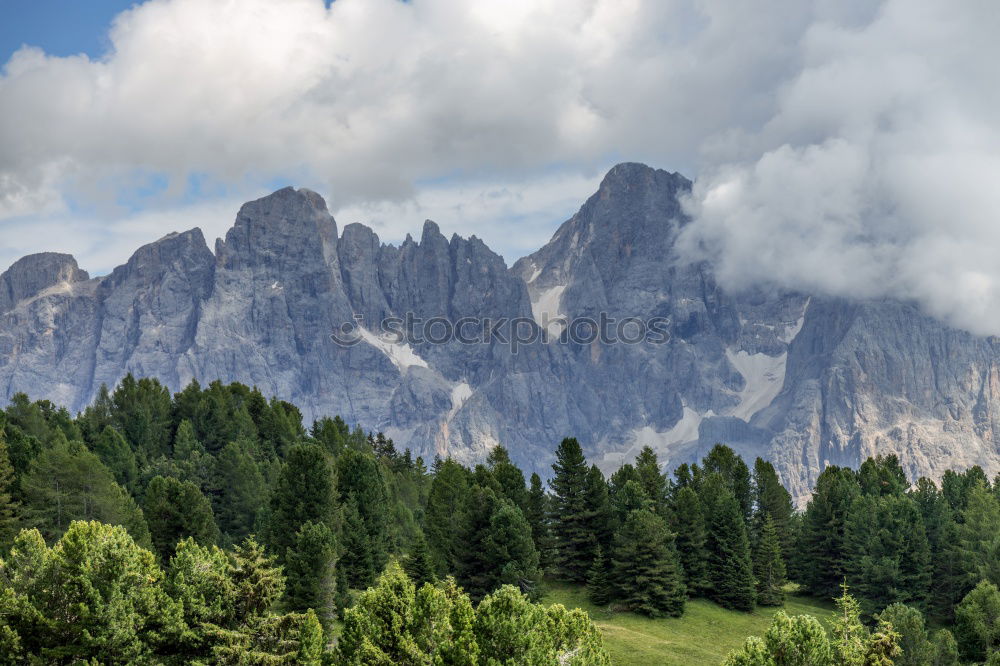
(803, 381)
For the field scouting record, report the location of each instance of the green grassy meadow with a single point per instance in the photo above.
(704, 635)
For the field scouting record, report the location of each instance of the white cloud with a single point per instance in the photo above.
(845, 147)
(877, 174)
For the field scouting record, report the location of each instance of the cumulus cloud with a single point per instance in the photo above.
(846, 147)
(878, 173)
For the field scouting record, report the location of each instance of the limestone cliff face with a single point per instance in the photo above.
(804, 381)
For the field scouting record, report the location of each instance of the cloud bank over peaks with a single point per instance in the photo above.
(879, 172)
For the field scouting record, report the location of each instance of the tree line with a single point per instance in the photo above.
(225, 472)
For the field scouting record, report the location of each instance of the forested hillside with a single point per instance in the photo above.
(213, 526)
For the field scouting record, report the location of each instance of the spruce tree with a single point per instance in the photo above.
(824, 550)
(309, 571)
(769, 566)
(357, 558)
(574, 541)
(730, 570)
(653, 481)
(238, 492)
(771, 499)
(734, 471)
(647, 575)
(599, 581)
(510, 550)
(305, 492)
(536, 512)
(598, 512)
(447, 502)
(116, 455)
(509, 477)
(419, 565)
(689, 525)
(176, 510)
(361, 479)
(10, 508)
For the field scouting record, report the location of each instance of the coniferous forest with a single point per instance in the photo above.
(213, 526)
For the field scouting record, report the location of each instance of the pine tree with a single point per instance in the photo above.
(771, 499)
(599, 515)
(10, 508)
(824, 549)
(357, 558)
(419, 565)
(447, 502)
(238, 492)
(647, 575)
(730, 569)
(309, 571)
(175, 510)
(769, 566)
(305, 492)
(734, 471)
(598, 581)
(536, 512)
(653, 481)
(689, 525)
(572, 527)
(361, 479)
(508, 476)
(511, 551)
(116, 455)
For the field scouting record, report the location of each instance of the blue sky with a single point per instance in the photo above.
(60, 27)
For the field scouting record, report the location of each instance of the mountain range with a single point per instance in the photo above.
(800, 379)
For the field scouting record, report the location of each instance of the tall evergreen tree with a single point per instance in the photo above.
(647, 575)
(116, 455)
(598, 510)
(309, 571)
(653, 481)
(510, 550)
(361, 478)
(734, 471)
(823, 531)
(769, 566)
(771, 499)
(882, 475)
(508, 476)
(447, 502)
(599, 588)
(175, 510)
(357, 556)
(572, 525)
(977, 622)
(419, 564)
(688, 524)
(10, 508)
(305, 492)
(730, 569)
(979, 535)
(536, 512)
(238, 492)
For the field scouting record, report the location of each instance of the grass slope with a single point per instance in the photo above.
(704, 635)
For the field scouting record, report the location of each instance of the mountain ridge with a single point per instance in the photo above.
(804, 380)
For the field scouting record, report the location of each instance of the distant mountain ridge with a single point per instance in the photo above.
(801, 380)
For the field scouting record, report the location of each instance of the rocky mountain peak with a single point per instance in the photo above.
(30, 275)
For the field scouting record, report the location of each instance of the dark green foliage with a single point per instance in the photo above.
(142, 413)
(574, 541)
(357, 558)
(305, 492)
(508, 476)
(734, 471)
(237, 491)
(769, 566)
(647, 576)
(419, 565)
(361, 479)
(888, 557)
(628, 498)
(771, 499)
(10, 508)
(977, 622)
(511, 551)
(979, 535)
(309, 570)
(536, 512)
(689, 525)
(598, 510)
(66, 482)
(175, 510)
(822, 541)
(730, 572)
(116, 455)
(446, 504)
(599, 580)
(881, 476)
(331, 434)
(652, 479)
